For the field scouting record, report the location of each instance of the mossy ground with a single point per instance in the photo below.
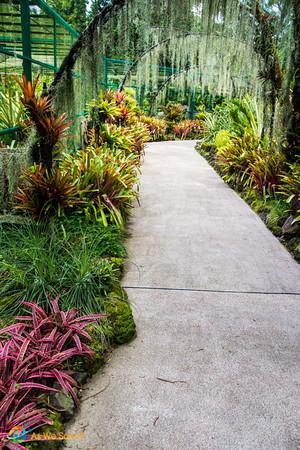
(120, 316)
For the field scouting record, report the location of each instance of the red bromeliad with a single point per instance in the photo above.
(51, 127)
(32, 359)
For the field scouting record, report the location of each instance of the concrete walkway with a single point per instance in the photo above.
(216, 299)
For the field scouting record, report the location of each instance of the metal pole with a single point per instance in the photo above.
(55, 44)
(26, 39)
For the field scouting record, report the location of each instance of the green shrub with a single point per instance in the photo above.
(244, 115)
(236, 117)
(272, 210)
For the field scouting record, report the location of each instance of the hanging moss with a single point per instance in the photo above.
(218, 45)
(203, 34)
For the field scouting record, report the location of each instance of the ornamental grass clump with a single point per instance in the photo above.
(34, 354)
(39, 261)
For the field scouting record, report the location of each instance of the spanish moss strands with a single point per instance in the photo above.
(210, 44)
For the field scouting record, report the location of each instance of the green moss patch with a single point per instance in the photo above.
(120, 316)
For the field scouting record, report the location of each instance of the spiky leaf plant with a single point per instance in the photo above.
(50, 126)
(107, 180)
(44, 193)
(266, 168)
(12, 111)
(188, 129)
(174, 112)
(233, 160)
(156, 127)
(33, 355)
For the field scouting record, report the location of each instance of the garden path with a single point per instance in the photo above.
(216, 299)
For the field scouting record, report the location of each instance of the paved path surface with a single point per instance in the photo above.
(216, 361)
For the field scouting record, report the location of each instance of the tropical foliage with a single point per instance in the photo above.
(115, 119)
(106, 181)
(99, 181)
(12, 111)
(174, 112)
(254, 165)
(290, 188)
(72, 204)
(156, 127)
(68, 245)
(188, 129)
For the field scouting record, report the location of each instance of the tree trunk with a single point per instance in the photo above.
(41, 153)
(294, 128)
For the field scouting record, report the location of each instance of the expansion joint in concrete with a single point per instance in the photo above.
(217, 291)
